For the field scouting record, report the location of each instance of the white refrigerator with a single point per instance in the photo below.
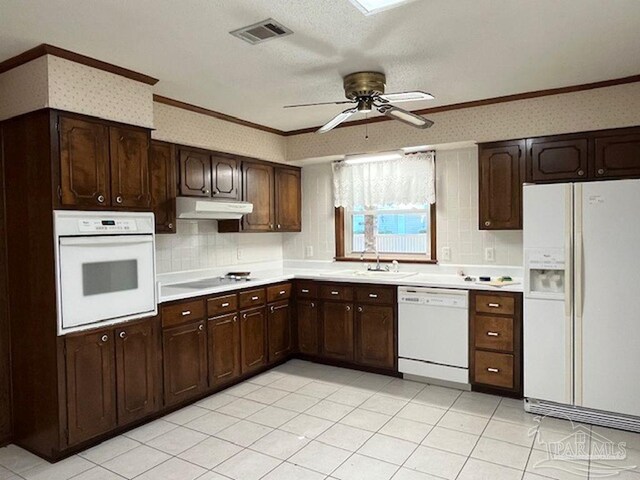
(582, 301)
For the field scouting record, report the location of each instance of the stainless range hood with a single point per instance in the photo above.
(192, 208)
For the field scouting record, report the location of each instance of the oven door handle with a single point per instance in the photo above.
(107, 240)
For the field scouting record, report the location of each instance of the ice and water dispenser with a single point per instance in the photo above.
(545, 276)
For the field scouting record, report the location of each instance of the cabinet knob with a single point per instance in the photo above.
(272, 309)
(119, 199)
(244, 315)
(204, 190)
(600, 171)
(235, 318)
(487, 223)
(279, 226)
(313, 305)
(580, 173)
(200, 327)
(170, 226)
(104, 338)
(360, 309)
(271, 226)
(348, 308)
(122, 334)
(100, 198)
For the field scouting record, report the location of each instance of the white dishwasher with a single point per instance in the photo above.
(433, 333)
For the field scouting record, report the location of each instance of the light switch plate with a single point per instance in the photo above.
(446, 253)
(490, 254)
(239, 254)
(308, 251)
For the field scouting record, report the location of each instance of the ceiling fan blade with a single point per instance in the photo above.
(405, 97)
(321, 103)
(404, 116)
(337, 120)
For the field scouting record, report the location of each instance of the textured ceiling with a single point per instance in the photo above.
(459, 50)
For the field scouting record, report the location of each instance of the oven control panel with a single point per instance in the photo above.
(107, 225)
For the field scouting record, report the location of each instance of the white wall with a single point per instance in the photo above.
(456, 217)
(198, 245)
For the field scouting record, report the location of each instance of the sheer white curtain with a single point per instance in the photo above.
(408, 182)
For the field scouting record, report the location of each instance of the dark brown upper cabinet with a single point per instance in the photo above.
(561, 157)
(163, 185)
(617, 156)
(224, 178)
(102, 165)
(258, 181)
(288, 200)
(501, 171)
(205, 174)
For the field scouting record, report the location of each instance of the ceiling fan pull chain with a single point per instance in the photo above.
(366, 128)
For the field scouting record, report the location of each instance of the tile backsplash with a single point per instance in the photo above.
(457, 215)
(198, 245)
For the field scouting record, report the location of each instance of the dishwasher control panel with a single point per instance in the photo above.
(434, 297)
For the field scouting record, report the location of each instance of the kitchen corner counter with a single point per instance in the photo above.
(172, 290)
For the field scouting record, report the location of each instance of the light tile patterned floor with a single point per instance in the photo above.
(303, 421)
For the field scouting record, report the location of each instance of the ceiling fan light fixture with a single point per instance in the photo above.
(370, 7)
(365, 105)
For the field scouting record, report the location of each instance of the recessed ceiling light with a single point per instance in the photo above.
(369, 7)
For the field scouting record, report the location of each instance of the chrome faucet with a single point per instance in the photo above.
(378, 268)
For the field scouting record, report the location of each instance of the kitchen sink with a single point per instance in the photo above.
(382, 274)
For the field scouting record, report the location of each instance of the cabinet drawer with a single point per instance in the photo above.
(336, 292)
(182, 312)
(252, 298)
(374, 295)
(495, 304)
(493, 333)
(495, 369)
(306, 290)
(221, 305)
(278, 292)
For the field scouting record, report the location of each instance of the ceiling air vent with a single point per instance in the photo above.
(261, 31)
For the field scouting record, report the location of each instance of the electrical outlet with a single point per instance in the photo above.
(490, 254)
(308, 251)
(239, 253)
(446, 254)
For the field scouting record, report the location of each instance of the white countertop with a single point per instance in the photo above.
(170, 290)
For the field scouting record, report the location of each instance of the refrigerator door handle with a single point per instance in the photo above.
(579, 293)
(568, 294)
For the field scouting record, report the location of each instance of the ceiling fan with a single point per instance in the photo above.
(366, 91)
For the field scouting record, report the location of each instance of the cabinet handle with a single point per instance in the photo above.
(373, 295)
(225, 304)
(348, 308)
(601, 171)
(186, 312)
(104, 338)
(122, 139)
(100, 198)
(493, 334)
(200, 327)
(282, 292)
(494, 305)
(487, 223)
(313, 305)
(122, 334)
(493, 370)
(119, 199)
(335, 293)
(254, 298)
(580, 173)
(170, 226)
(360, 309)
(304, 290)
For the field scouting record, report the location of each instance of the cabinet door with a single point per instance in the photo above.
(129, 167)
(224, 177)
(253, 339)
(557, 158)
(195, 174)
(91, 389)
(617, 156)
(279, 328)
(258, 188)
(84, 163)
(501, 178)
(185, 362)
(137, 376)
(337, 330)
(163, 186)
(224, 349)
(288, 195)
(308, 331)
(375, 338)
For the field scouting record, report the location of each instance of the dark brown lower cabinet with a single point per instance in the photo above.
(91, 377)
(185, 362)
(279, 328)
(375, 336)
(308, 326)
(224, 349)
(337, 330)
(137, 370)
(253, 335)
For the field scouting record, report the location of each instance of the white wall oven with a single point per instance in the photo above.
(105, 268)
